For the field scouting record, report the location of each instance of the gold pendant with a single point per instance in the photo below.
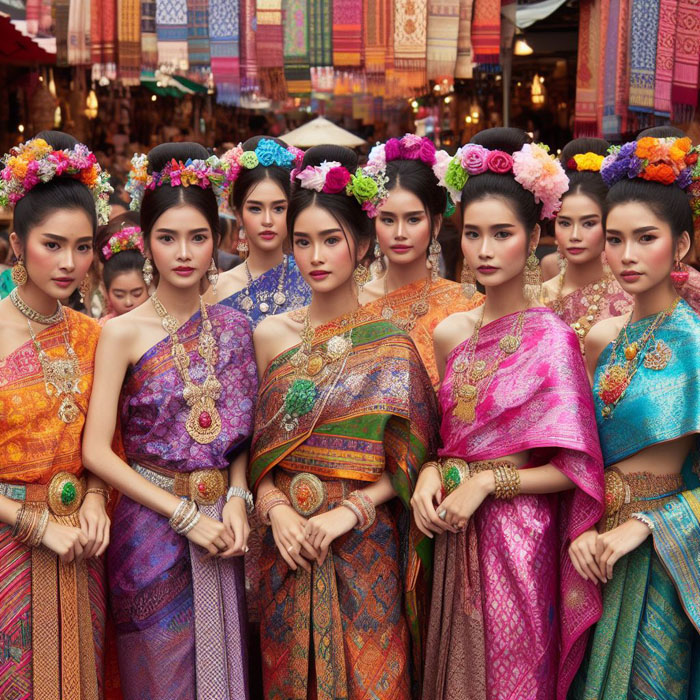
(509, 344)
(659, 357)
(465, 410)
(68, 412)
(314, 364)
(204, 422)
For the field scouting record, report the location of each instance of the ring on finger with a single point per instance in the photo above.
(290, 548)
(442, 514)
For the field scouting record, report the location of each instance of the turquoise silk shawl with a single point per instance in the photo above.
(659, 406)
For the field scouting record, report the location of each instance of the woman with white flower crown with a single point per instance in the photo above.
(268, 282)
(346, 413)
(53, 521)
(179, 377)
(520, 473)
(411, 294)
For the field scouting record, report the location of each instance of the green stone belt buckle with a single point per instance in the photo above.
(65, 493)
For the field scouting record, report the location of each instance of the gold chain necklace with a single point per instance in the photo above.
(61, 375)
(279, 298)
(203, 422)
(33, 314)
(468, 386)
(617, 377)
(417, 309)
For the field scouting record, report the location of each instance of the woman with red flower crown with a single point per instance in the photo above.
(411, 294)
(646, 368)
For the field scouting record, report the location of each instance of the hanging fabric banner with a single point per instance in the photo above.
(297, 58)
(643, 38)
(171, 28)
(443, 31)
(129, 42)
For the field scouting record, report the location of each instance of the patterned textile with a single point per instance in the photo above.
(297, 57)
(573, 307)
(249, 67)
(378, 39)
(444, 298)
(78, 49)
(167, 600)
(690, 291)
(486, 31)
(465, 59)
(642, 417)
(443, 30)
(613, 77)
(586, 76)
(61, 12)
(6, 283)
(410, 43)
(103, 38)
(149, 38)
(501, 625)
(198, 35)
(347, 33)
(171, 29)
(223, 44)
(295, 289)
(269, 45)
(52, 616)
(321, 22)
(684, 91)
(129, 42)
(375, 412)
(643, 37)
(665, 50)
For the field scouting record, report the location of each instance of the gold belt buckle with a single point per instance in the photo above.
(65, 493)
(454, 472)
(307, 494)
(207, 486)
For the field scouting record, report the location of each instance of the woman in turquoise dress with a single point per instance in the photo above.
(268, 282)
(646, 369)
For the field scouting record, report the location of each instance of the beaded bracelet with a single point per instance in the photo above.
(185, 517)
(363, 508)
(643, 518)
(434, 465)
(507, 480)
(266, 502)
(99, 492)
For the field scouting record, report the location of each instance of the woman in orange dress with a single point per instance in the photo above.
(411, 294)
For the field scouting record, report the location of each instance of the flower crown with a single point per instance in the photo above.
(332, 178)
(35, 161)
(128, 238)
(266, 153)
(211, 172)
(409, 147)
(585, 162)
(532, 166)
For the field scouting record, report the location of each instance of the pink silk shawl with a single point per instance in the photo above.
(539, 400)
(615, 302)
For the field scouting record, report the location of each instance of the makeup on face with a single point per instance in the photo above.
(578, 229)
(126, 292)
(264, 215)
(403, 227)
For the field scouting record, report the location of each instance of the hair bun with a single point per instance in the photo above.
(162, 154)
(502, 138)
(318, 154)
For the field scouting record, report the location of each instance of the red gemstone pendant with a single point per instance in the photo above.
(204, 420)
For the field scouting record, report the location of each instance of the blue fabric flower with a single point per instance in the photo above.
(269, 153)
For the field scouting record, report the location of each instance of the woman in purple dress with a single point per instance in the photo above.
(180, 378)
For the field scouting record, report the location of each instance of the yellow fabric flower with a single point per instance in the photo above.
(588, 161)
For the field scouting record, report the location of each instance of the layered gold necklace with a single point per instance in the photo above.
(204, 421)
(61, 374)
(469, 385)
(418, 308)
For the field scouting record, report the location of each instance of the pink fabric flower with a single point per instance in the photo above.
(392, 150)
(499, 162)
(312, 178)
(337, 179)
(442, 162)
(542, 174)
(474, 158)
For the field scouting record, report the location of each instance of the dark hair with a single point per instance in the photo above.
(346, 210)
(588, 183)
(661, 132)
(490, 184)
(59, 193)
(668, 202)
(418, 178)
(247, 179)
(156, 202)
(127, 260)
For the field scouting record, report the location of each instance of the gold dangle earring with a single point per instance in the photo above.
(84, 288)
(561, 261)
(361, 276)
(532, 279)
(468, 280)
(433, 261)
(147, 271)
(19, 272)
(242, 246)
(213, 275)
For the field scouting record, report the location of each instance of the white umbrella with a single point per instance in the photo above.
(321, 131)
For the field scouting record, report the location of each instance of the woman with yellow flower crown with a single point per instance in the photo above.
(345, 416)
(584, 292)
(179, 377)
(53, 523)
(646, 369)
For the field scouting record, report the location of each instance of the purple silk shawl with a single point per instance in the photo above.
(157, 578)
(539, 400)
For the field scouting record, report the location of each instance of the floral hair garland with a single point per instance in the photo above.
(532, 166)
(332, 178)
(210, 173)
(266, 153)
(585, 162)
(128, 238)
(409, 147)
(35, 161)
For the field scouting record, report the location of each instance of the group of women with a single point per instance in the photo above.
(405, 487)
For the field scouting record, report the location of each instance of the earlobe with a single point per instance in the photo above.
(684, 244)
(16, 244)
(535, 237)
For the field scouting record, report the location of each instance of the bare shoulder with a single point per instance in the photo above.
(550, 266)
(274, 335)
(601, 334)
(229, 283)
(550, 288)
(455, 329)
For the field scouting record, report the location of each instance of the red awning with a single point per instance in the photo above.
(17, 49)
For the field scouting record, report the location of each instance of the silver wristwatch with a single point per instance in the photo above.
(238, 492)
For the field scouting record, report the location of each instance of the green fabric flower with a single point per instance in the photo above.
(300, 398)
(456, 176)
(249, 160)
(363, 187)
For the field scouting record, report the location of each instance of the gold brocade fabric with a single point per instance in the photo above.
(444, 298)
